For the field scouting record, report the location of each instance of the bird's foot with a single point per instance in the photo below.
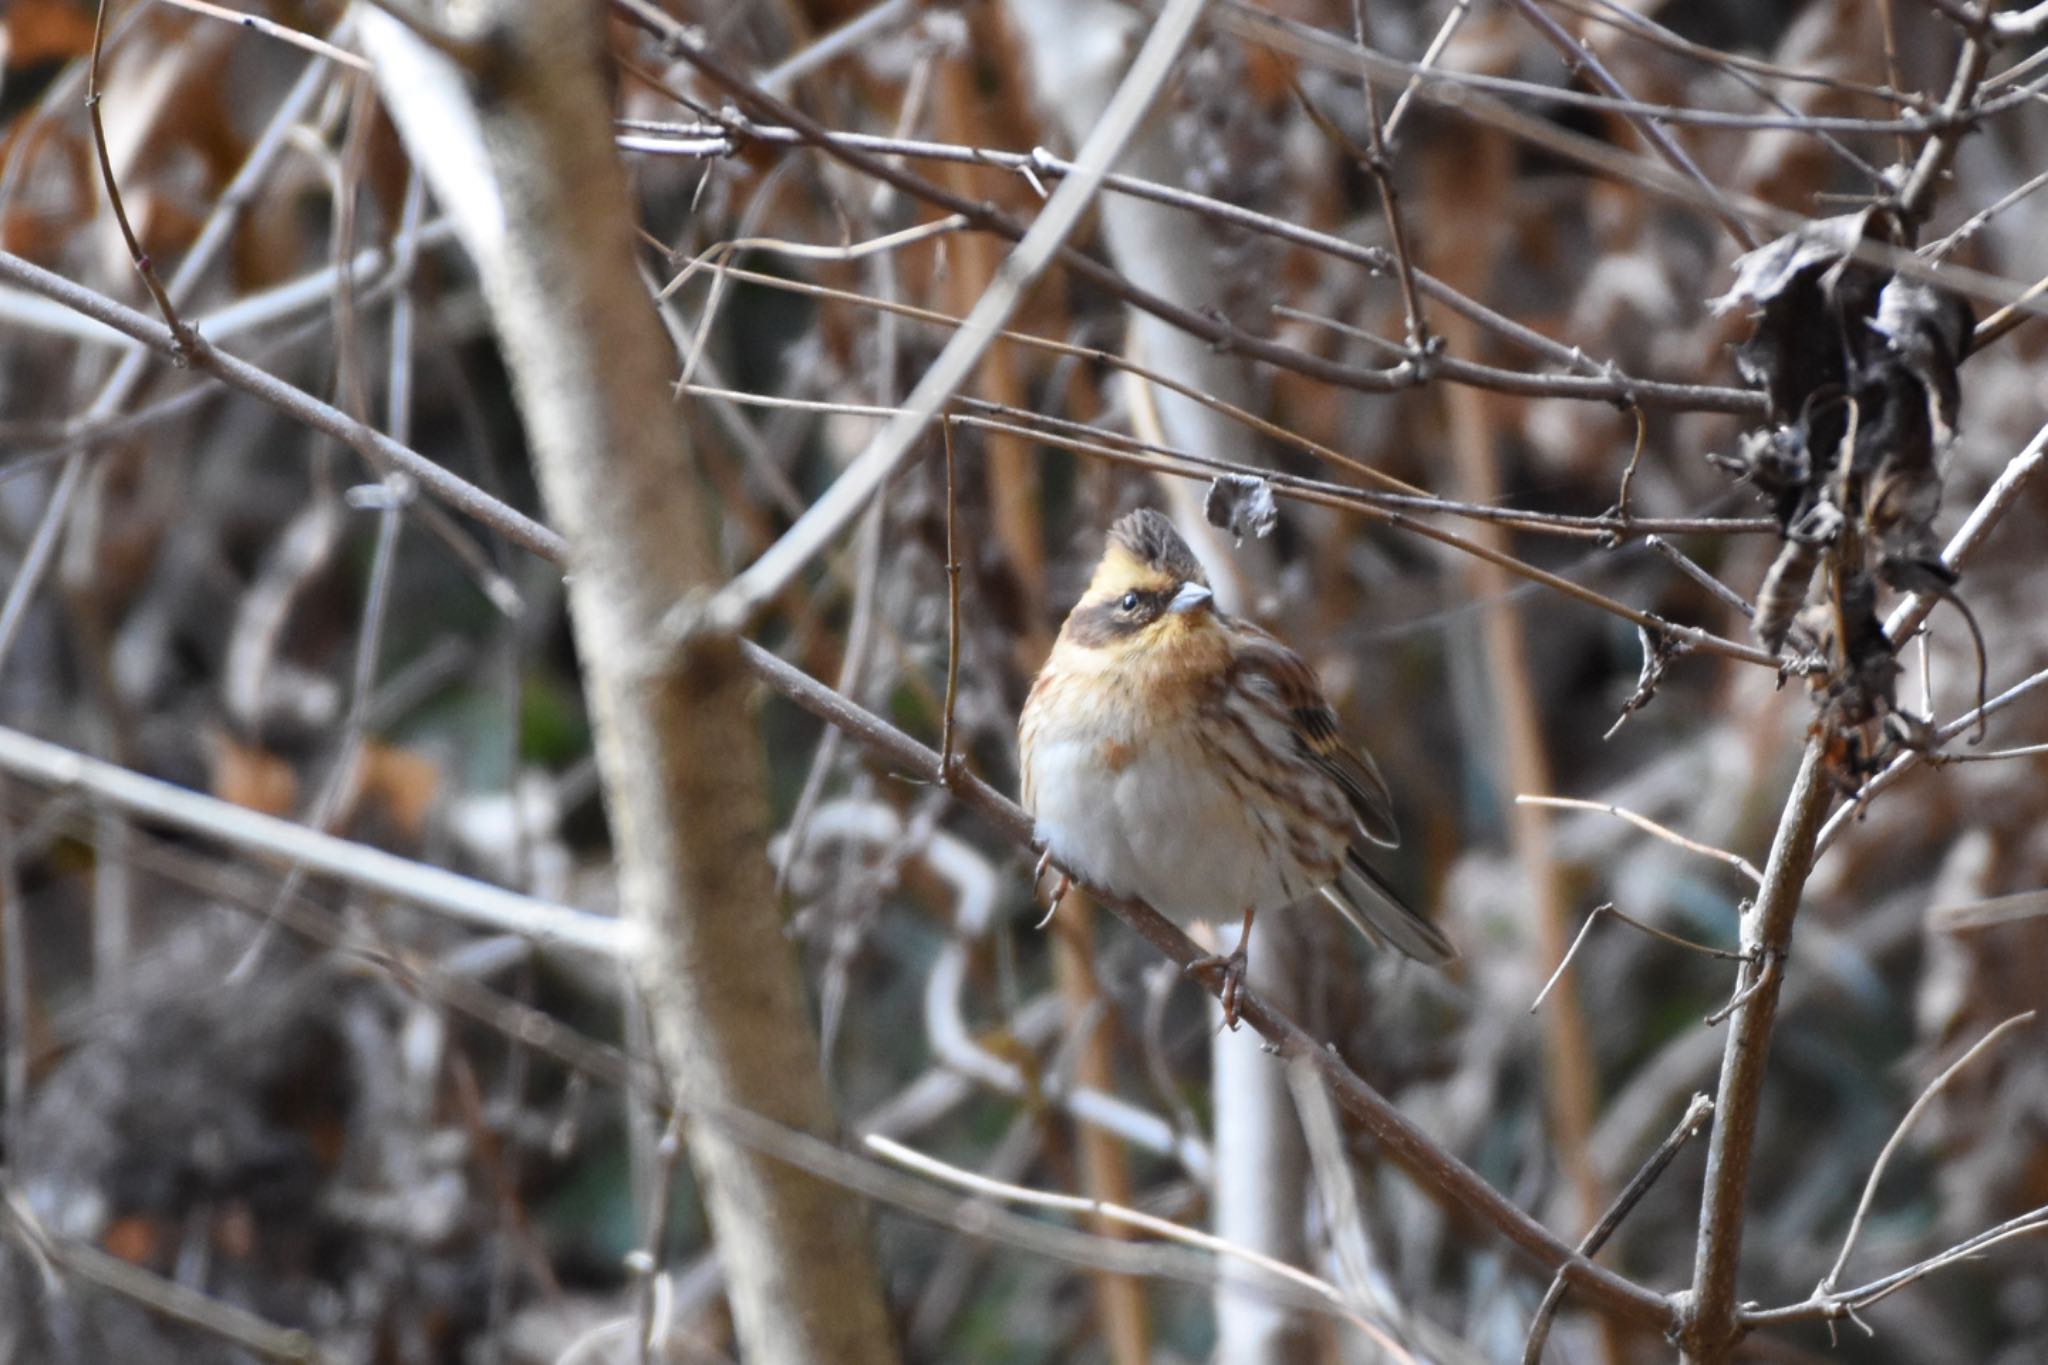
(1059, 888)
(1230, 991)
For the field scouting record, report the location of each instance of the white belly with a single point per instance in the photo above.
(1165, 827)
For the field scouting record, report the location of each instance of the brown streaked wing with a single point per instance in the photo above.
(1296, 690)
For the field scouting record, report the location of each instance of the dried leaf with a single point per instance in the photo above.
(1242, 506)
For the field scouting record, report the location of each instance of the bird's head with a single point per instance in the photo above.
(1148, 593)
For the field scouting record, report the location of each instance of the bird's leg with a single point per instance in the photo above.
(1232, 966)
(1059, 889)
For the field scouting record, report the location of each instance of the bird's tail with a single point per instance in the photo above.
(1377, 911)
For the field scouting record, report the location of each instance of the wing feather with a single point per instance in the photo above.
(1291, 684)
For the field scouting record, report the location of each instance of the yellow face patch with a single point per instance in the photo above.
(1121, 571)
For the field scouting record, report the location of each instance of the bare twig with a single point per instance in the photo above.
(1204, 326)
(1607, 908)
(1766, 978)
(121, 383)
(1916, 197)
(1608, 527)
(1454, 19)
(270, 28)
(1962, 546)
(1691, 569)
(374, 445)
(828, 516)
(179, 332)
(414, 883)
(167, 1299)
(1376, 507)
(1165, 1228)
(1579, 57)
(1934, 1088)
(1639, 171)
(1380, 167)
(1594, 379)
(1648, 826)
(1689, 1124)
(1847, 1303)
(1913, 758)
(946, 755)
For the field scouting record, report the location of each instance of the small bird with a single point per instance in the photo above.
(1177, 754)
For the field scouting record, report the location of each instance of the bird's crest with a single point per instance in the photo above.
(1149, 538)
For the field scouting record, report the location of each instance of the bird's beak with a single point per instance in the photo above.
(1190, 596)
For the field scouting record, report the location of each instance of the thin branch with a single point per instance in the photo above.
(1381, 168)
(1611, 383)
(1648, 826)
(1606, 526)
(380, 450)
(270, 28)
(1934, 1088)
(1455, 87)
(1766, 977)
(911, 1159)
(1917, 195)
(946, 755)
(1453, 21)
(823, 521)
(372, 869)
(1631, 169)
(1376, 507)
(1847, 1303)
(1618, 16)
(1689, 1124)
(1579, 57)
(1913, 758)
(1962, 546)
(179, 331)
(164, 1298)
(1607, 908)
(214, 234)
(1711, 1325)
(1207, 327)
(1691, 569)
(1989, 755)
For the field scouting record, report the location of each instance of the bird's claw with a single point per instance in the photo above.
(1230, 991)
(1059, 889)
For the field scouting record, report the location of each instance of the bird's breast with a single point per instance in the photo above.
(1152, 811)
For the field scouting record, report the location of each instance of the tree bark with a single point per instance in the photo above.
(521, 155)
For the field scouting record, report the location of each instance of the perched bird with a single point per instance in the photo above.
(1177, 754)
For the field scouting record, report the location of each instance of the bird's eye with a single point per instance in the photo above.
(1130, 602)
